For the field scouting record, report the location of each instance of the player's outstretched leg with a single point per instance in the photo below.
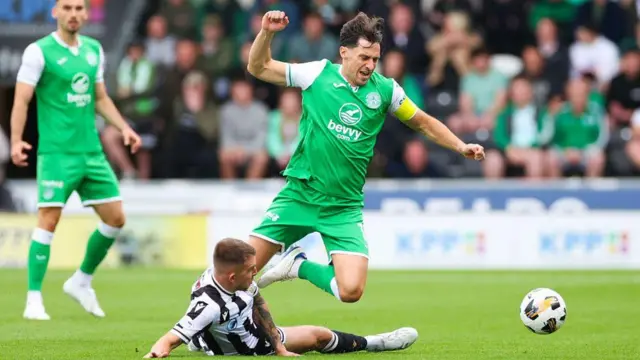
(294, 264)
(39, 252)
(79, 285)
(302, 339)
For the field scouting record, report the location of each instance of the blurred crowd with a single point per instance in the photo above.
(551, 88)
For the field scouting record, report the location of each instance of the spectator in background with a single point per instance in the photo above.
(593, 53)
(335, 12)
(482, 97)
(284, 123)
(313, 43)
(138, 101)
(555, 55)
(607, 16)
(578, 135)
(545, 87)
(443, 7)
(160, 46)
(218, 52)
(194, 143)
(453, 45)
(516, 134)
(403, 34)
(181, 18)
(394, 66)
(633, 146)
(623, 97)
(244, 125)
(561, 12)
(186, 61)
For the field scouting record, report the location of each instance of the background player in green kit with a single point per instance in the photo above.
(344, 107)
(66, 72)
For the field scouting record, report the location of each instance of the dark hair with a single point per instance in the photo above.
(232, 252)
(362, 27)
(481, 51)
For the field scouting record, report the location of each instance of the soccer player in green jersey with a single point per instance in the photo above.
(344, 107)
(65, 70)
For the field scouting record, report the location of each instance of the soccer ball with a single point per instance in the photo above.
(543, 311)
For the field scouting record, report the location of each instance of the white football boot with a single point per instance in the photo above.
(84, 295)
(395, 340)
(35, 310)
(286, 269)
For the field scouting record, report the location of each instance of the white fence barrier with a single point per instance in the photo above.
(596, 240)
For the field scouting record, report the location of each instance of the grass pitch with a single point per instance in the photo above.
(459, 315)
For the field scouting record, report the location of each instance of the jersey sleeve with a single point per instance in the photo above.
(32, 65)
(304, 74)
(401, 106)
(201, 313)
(100, 75)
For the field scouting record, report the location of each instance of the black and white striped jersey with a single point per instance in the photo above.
(220, 322)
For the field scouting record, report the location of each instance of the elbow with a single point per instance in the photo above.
(255, 70)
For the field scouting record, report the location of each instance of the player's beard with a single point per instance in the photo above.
(73, 27)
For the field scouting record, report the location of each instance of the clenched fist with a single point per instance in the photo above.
(274, 21)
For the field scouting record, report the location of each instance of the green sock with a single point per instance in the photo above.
(39, 253)
(322, 276)
(98, 247)
(38, 262)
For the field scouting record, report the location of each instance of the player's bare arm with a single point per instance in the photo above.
(261, 65)
(108, 110)
(264, 321)
(440, 133)
(23, 95)
(163, 347)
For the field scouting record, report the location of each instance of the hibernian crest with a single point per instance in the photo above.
(373, 100)
(92, 59)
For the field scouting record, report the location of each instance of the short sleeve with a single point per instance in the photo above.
(32, 65)
(201, 313)
(101, 65)
(304, 74)
(401, 106)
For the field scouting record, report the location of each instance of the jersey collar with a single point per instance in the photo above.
(73, 49)
(354, 88)
(219, 287)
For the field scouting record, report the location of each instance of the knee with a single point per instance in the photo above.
(48, 218)
(350, 294)
(117, 220)
(322, 336)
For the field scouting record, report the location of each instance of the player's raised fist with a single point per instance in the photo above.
(473, 151)
(18, 153)
(274, 21)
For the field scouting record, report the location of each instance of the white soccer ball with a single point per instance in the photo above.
(543, 311)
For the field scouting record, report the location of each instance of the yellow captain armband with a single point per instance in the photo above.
(406, 110)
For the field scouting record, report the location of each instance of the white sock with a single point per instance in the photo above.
(81, 278)
(295, 269)
(332, 344)
(373, 342)
(334, 289)
(34, 297)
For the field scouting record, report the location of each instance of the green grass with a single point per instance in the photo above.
(460, 315)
